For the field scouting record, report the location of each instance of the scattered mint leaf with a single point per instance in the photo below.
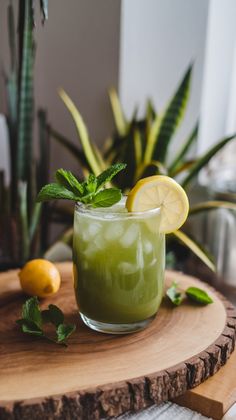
(106, 198)
(31, 311)
(26, 328)
(64, 331)
(54, 315)
(29, 327)
(56, 192)
(109, 173)
(33, 319)
(198, 295)
(174, 295)
(68, 180)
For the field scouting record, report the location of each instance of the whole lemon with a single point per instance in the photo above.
(40, 278)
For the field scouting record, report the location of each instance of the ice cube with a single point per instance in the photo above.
(130, 236)
(126, 268)
(147, 246)
(99, 242)
(113, 231)
(90, 251)
(93, 229)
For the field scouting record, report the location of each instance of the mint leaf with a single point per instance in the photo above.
(68, 180)
(174, 295)
(109, 173)
(90, 185)
(33, 319)
(31, 311)
(54, 315)
(198, 295)
(56, 192)
(106, 198)
(64, 331)
(89, 192)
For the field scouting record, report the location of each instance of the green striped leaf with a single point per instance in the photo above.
(195, 248)
(211, 205)
(178, 160)
(201, 162)
(26, 102)
(172, 118)
(82, 132)
(119, 118)
(77, 153)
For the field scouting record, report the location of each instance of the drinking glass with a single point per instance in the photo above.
(118, 261)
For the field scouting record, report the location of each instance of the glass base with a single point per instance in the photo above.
(116, 328)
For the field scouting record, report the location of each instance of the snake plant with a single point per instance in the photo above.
(19, 217)
(144, 144)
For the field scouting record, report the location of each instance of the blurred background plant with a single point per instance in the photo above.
(20, 238)
(145, 145)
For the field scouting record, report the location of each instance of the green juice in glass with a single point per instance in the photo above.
(119, 261)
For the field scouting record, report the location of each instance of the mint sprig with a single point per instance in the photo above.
(33, 320)
(91, 191)
(195, 294)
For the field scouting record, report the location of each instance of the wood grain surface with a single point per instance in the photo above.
(102, 375)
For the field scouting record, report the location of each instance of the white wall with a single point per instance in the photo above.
(218, 105)
(159, 39)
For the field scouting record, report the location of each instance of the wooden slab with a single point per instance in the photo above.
(101, 375)
(214, 397)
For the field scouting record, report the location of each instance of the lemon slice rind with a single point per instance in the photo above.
(164, 192)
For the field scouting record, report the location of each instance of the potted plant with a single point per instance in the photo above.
(144, 145)
(20, 216)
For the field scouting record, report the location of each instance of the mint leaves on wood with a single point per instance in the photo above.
(33, 320)
(198, 295)
(193, 293)
(174, 295)
(91, 191)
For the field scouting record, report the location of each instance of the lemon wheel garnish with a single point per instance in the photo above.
(164, 192)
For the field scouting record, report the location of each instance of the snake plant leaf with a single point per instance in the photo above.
(26, 102)
(177, 162)
(11, 37)
(44, 9)
(137, 147)
(201, 162)
(195, 248)
(182, 167)
(102, 163)
(211, 205)
(77, 153)
(172, 117)
(34, 222)
(152, 168)
(152, 139)
(43, 167)
(82, 132)
(23, 213)
(150, 110)
(119, 118)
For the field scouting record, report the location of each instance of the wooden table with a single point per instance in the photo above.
(100, 374)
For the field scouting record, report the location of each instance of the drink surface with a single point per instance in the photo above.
(118, 264)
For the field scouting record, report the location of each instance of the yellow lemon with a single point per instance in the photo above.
(40, 278)
(164, 192)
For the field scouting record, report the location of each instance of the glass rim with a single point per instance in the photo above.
(99, 212)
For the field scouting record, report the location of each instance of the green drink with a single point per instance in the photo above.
(119, 260)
